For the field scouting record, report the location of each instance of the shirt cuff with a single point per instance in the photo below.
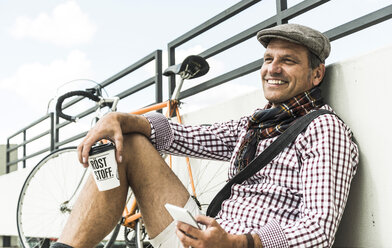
(272, 235)
(161, 134)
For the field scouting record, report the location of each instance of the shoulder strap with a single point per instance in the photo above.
(264, 158)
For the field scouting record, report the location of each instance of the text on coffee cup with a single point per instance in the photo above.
(101, 169)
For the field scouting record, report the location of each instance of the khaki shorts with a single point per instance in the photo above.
(168, 238)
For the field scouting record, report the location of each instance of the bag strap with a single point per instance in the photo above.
(264, 158)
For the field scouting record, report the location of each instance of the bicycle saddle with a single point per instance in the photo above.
(193, 66)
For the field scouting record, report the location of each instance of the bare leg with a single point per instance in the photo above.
(153, 183)
(94, 214)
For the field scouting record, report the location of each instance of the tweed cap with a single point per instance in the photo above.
(315, 41)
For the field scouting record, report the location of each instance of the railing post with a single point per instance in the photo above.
(8, 157)
(56, 131)
(281, 5)
(52, 132)
(158, 77)
(172, 60)
(24, 148)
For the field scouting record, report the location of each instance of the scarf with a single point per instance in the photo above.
(270, 122)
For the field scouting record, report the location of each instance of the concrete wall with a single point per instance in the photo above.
(3, 159)
(10, 186)
(358, 89)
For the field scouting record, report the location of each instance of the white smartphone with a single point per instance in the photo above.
(181, 214)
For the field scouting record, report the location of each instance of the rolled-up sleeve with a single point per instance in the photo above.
(161, 134)
(272, 235)
(215, 141)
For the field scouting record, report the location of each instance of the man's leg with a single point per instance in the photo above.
(153, 183)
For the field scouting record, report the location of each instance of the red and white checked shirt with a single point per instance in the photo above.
(297, 200)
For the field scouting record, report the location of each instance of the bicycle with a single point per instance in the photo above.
(62, 166)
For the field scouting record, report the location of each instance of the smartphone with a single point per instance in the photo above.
(181, 214)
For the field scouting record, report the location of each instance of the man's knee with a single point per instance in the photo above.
(139, 150)
(135, 140)
(136, 144)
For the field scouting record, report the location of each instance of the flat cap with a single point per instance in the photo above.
(315, 41)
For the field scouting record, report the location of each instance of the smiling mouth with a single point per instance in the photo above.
(276, 82)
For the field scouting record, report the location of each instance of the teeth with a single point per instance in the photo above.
(276, 82)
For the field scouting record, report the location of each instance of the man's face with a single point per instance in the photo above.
(286, 71)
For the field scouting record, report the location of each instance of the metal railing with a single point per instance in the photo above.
(49, 131)
(55, 126)
(283, 15)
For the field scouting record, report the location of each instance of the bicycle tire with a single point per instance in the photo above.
(47, 197)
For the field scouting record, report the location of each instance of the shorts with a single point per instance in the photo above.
(168, 238)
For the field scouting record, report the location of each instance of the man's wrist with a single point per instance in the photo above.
(241, 241)
(237, 241)
(251, 241)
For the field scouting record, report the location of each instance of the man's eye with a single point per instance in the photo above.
(267, 60)
(290, 61)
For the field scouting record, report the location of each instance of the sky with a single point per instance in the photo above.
(45, 44)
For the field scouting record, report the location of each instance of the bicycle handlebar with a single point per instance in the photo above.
(193, 66)
(59, 109)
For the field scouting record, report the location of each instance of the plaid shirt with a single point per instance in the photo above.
(297, 200)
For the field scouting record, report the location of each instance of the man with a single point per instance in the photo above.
(296, 200)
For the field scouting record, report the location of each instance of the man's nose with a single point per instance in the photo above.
(274, 67)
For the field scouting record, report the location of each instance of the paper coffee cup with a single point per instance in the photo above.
(102, 161)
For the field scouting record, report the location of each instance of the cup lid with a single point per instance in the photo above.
(101, 148)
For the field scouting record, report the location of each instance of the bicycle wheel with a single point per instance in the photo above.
(209, 177)
(47, 198)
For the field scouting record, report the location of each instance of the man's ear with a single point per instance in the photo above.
(318, 74)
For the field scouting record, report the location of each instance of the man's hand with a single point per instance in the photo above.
(213, 236)
(112, 127)
(108, 127)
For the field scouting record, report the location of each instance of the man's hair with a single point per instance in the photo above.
(314, 61)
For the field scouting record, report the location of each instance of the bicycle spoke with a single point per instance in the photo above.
(209, 176)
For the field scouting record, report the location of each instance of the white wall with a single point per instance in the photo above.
(359, 90)
(10, 186)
